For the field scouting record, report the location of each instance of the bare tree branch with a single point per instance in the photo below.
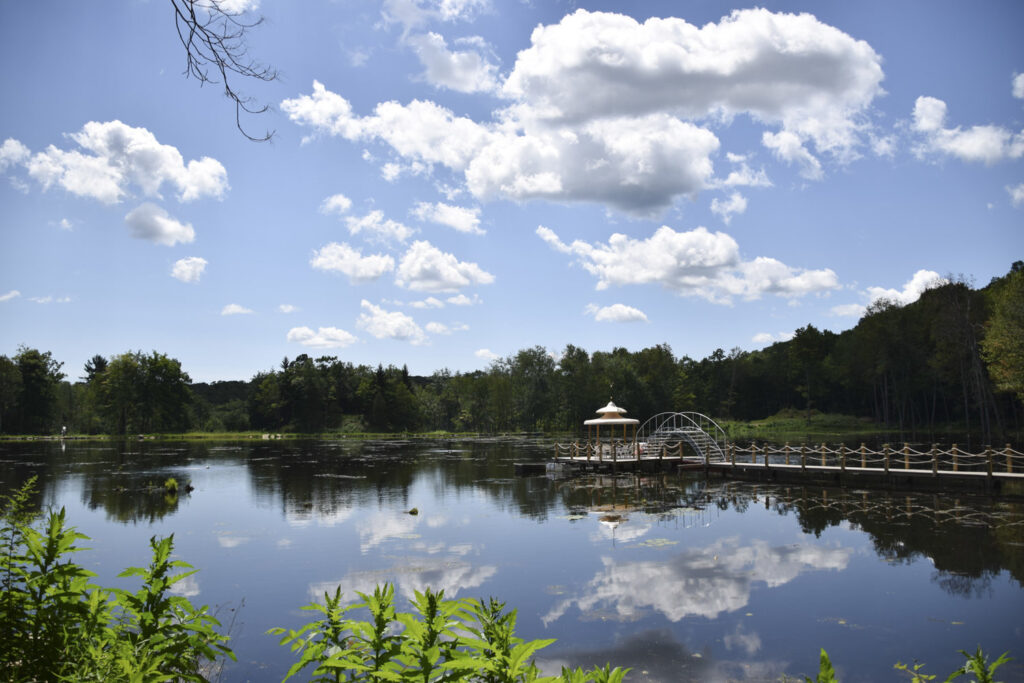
(214, 39)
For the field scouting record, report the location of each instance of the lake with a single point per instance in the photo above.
(678, 577)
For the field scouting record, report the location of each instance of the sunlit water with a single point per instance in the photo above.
(677, 577)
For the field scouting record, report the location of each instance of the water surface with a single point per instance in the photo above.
(677, 577)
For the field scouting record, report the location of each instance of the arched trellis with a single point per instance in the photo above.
(699, 431)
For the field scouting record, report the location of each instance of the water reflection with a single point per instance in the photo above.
(699, 582)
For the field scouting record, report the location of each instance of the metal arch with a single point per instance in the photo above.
(700, 431)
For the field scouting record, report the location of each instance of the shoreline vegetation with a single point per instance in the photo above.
(788, 426)
(948, 367)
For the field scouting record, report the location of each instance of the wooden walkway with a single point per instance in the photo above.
(994, 471)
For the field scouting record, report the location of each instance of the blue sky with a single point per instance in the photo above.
(453, 180)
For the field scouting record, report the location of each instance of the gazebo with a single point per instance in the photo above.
(613, 424)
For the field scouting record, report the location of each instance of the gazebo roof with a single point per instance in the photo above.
(611, 414)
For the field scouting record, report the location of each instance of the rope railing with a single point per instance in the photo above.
(891, 458)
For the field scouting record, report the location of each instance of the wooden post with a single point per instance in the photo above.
(823, 453)
(803, 457)
(1009, 459)
(787, 452)
(842, 457)
(885, 451)
(935, 459)
(766, 463)
(753, 453)
(988, 457)
(956, 464)
(661, 455)
(863, 455)
(732, 454)
(906, 456)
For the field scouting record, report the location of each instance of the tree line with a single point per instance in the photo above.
(954, 357)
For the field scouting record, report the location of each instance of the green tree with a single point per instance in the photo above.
(1003, 344)
(37, 400)
(10, 387)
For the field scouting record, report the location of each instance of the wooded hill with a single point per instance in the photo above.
(954, 359)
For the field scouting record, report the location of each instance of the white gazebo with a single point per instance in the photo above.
(613, 424)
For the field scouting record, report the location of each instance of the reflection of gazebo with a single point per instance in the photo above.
(613, 425)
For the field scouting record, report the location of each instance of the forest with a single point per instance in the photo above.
(954, 359)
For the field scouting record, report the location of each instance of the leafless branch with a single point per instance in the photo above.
(215, 43)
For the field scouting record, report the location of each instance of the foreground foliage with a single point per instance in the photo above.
(55, 625)
(442, 640)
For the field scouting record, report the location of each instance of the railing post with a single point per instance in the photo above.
(661, 454)
(956, 463)
(863, 455)
(842, 457)
(787, 452)
(823, 449)
(1009, 459)
(988, 457)
(766, 463)
(885, 451)
(803, 457)
(732, 454)
(906, 456)
(935, 459)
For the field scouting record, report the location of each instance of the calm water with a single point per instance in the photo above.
(678, 577)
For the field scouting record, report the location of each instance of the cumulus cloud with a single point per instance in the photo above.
(426, 268)
(235, 309)
(323, 338)
(414, 13)
(114, 157)
(150, 222)
(694, 263)
(616, 313)
(429, 302)
(1016, 194)
(189, 269)
(341, 258)
(12, 153)
(287, 308)
(65, 224)
(335, 204)
(912, 289)
(769, 338)
(606, 109)
(486, 354)
(462, 70)
(441, 328)
(727, 208)
(13, 294)
(463, 300)
(375, 228)
(986, 144)
(389, 324)
(460, 218)
(1018, 86)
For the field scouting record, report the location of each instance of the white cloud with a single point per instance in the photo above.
(12, 153)
(912, 288)
(238, 6)
(744, 175)
(694, 263)
(389, 325)
(426, 268)
(463, 300)
(986, 144)
(1018, 86)
(726, 209)
(287, 308)
(790, 148)
(848, 310)
(769, 338)
(1016, 194)
(616, 313)
(342, 258)
(235, 309)
(65, 224)
(414, 13)
(336, 204)
(376, 228)
(429, 302)
(457, 217)
(13, 294)
(323, 338)
(463, 71)
(118, 156)
(486, 354)
(441, 328)
(150, 222)
(189, 269)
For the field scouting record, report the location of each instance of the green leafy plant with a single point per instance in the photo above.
(56, 625)
(440, 641)
(826, 672)
(977, 665)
